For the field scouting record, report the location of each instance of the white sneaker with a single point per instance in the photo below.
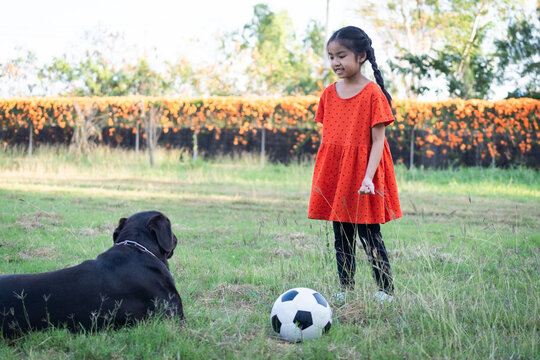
(340, 298)
(383, 297)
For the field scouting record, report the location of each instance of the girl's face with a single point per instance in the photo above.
(343, 61)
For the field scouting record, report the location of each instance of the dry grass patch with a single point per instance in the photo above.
(283, 253)
(279, 345)
(352, 312)
(105, 229)
(46, 253)
(298, 240)
(300, 237)
(242, 293)
(295, 244)
(90, 232)
(37, 220)
(475, 211)
(7, 244)
(432, 253)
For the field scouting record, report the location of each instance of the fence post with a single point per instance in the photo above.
(30, 138)
(137, 140)
(141, 119)
(263, 145)
(195, 145)
(411, 160)
(493, 164)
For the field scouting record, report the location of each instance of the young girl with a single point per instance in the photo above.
(354, 184)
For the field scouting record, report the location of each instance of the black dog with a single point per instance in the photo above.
(124, 284)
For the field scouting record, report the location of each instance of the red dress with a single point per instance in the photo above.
(343, 157)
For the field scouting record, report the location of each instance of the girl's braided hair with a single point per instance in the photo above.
(356, 40)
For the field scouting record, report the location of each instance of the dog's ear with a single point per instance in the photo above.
(160, 226)
(119, 228)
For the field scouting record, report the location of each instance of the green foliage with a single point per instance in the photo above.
(20, 76)
(181, 75)
(315, 38)
(441, 40)
(474, 81)
(97, 76)
(518, 54)
(281, 64)
(147, 81)
(99, 73)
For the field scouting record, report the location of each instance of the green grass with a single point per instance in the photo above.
(465, 257)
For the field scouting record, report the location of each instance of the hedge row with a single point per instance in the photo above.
(469, 132)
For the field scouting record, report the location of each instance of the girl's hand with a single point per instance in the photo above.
(367, 187)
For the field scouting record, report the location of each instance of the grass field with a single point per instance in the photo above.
(465, 257)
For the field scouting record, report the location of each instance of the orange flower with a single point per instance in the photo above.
(449, 124)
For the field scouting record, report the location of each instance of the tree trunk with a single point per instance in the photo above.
(85, 128)
(326, 36)
(152, 130)
(412, 42)
(460, 73)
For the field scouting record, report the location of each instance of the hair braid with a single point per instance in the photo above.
(377, 73)
(356, 40)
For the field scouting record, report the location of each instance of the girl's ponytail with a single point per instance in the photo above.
(356, 40)
(377, 73)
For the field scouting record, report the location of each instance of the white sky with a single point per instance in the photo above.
(54, 27)
(160, 30)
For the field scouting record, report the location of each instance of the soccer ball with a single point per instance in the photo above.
(300, 314)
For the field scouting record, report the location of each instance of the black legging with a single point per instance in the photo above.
(345, 245)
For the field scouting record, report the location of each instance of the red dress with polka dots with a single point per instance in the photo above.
(343, 157)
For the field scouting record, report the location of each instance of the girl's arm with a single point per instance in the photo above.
(377, 137)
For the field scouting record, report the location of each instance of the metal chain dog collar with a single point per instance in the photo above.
(136, 245)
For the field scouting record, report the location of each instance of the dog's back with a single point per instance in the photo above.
(115, 289)
(35, 301)
(122, 285)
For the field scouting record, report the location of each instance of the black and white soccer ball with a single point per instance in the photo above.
(300, 314)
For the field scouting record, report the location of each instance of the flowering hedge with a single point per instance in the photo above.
(491, 129)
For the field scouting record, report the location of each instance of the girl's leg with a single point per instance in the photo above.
(371, 238)
(345, 252)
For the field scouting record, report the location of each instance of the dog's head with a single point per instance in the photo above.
(150, 229)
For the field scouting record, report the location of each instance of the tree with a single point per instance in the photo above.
(518, 53)
(466, 77)
(19, 76)
(104, 71)
(267, 36)
(146, 81)
(182, 77)
(315, 45)
(278, 61)
(97, 76)
(407, 29)
(439, 39)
